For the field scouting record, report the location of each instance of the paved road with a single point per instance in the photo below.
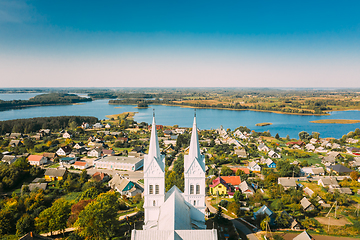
(244, 229)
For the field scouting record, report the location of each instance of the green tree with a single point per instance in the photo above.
(226, 171)
(354, 175)
(25, 224)
(304, 136)
(277, 136)
(55, 217)
(238, 196)
(99, 218)
(6, 222)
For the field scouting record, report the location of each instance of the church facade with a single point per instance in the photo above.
(174, 214)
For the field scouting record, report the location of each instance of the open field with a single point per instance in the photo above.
(342, 221)
(128, 115)
(339, 121)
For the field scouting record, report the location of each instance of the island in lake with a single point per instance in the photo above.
(338, 121)
(263, 124)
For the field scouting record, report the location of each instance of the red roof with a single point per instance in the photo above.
(233, 180)
(244, 169)
(300, 143)
(218, 181)
(78, 163)
(99, 176)
(35, 158)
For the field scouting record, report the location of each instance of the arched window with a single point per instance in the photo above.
(194, 202)
(191, 189)
(197, 189)
(154, 203)
(156, 189)
(151, 190)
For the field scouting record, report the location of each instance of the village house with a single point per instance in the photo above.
(263, 148)
(320, 150)
(108, 125)
(67, 160)
(270, 163)
(241, 153)
(124, 186)
(328, 182)
(232, 180)
(303, 236)
(352, 141)
(254, 166)
(52, 174)
(100, 176)
(335, 155)
(9, 159)
(264, 210)
(352, 150)
(246, 189)
(98, 126)
(273, 154)
(66, 135)
(244, 169)
(309, 147)
(49, 156)
(35, 186)
(309, 171)
(79, 145)
(95, 152)
(15, 135)
(80, 165)
(15, 143)
(63, 151)
(314, 141)
(85, 125)
(37, 160)
(219, 187)
(339, 169)
(108, 152)
(306, 204)
(287, 182)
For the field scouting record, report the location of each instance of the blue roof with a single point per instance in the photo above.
(67, 159)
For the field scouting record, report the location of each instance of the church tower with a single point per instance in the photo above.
(154, 180)
(194, 173)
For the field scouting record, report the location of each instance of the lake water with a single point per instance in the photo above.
(283, 124)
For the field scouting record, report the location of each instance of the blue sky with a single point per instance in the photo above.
(179, 43)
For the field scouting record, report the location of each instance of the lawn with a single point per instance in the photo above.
(72, 196)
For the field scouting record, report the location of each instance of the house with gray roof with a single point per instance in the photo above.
(9, 159)
(287, 182)
(303, 236)
(306, 204)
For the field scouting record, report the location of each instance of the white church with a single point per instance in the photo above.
(174, 215)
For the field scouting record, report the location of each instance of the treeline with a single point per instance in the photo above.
(35, 124)
(44, 99)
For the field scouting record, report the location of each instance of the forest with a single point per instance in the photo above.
(44, 99)
(30, 125)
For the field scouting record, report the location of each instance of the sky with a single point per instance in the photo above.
(235, 43)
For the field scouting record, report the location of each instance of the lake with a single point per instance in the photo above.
(283, 124)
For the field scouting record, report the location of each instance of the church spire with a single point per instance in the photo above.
(194, 149)
(154, 150)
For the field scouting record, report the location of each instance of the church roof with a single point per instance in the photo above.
(154, 150)
(174, 212)
(194, 150)
(210, 234)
